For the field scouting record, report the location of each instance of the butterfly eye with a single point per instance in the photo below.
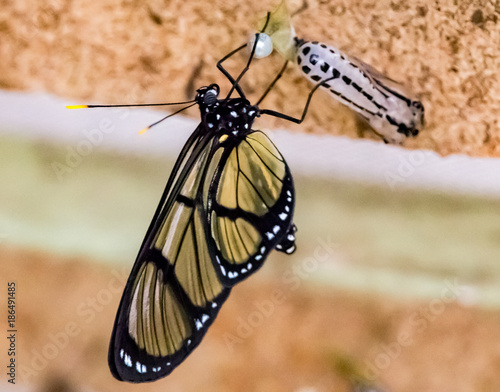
(211, 96)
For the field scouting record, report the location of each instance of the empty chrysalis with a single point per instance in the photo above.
(392, 111)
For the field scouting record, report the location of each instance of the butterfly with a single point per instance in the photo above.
(229, 201)
(393, 112)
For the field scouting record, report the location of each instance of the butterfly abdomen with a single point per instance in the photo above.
(377, 99)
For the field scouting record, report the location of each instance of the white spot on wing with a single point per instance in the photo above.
(140, 367)
(283, 216)
(234, 114)
(276, 229)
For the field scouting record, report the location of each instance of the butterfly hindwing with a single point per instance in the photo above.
(173, 293)
(250, 206)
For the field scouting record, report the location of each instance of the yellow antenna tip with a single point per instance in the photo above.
(77, 107)
(143, 131)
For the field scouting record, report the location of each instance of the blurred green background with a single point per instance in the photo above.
(401, 242)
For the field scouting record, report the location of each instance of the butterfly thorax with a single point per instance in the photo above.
(233, 116)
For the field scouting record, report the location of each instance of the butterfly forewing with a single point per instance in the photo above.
(174, 293)
(250, 206)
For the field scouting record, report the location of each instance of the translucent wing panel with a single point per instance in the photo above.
(237, 239)
(157, 321)
(226, 194)
(177, 216)
(250, 206)
(253, 175)
(170, 240)
(193, 265)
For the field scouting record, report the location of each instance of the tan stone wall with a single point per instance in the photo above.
(127, 51)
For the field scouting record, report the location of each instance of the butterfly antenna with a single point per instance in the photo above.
(127, 106)
(268, 17)
(164, 118)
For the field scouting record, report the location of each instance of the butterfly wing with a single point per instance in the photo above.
(250, 207)
(384, 82)
(173, 293)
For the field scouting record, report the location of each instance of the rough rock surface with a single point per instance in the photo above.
(129, 51)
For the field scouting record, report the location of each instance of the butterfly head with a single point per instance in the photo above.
(207, 97)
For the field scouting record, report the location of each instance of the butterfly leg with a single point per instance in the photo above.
(227, 74)
(309, 97)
